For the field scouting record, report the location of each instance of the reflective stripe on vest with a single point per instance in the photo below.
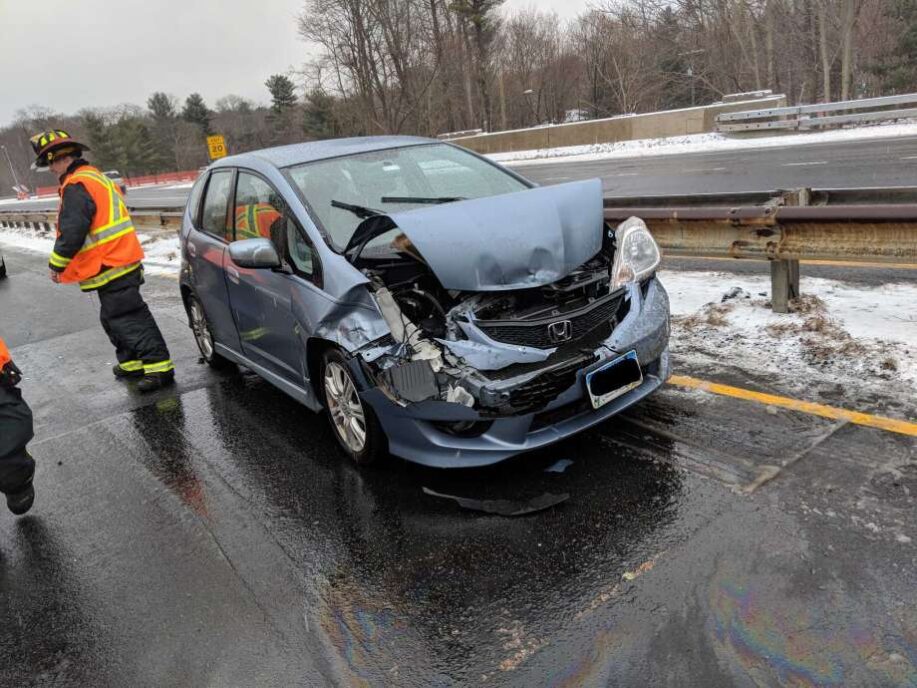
(117, 225)
(107, 276)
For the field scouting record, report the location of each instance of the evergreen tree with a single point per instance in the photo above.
(104, 151)
(897, 69)
(137, 151)
(196, 112)
(283, 94)
(162, 105)
(318, 115)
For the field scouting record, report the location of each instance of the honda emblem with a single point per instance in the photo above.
(560, 331)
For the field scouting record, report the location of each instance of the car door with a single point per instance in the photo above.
(261, 299)
(206, 248)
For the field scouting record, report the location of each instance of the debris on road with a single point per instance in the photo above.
(504, 507)
(559, 466)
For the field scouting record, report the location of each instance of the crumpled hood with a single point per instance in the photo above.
(512, 241)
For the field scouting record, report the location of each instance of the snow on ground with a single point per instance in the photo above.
(852, 334)
(163, 255)
(699, 143)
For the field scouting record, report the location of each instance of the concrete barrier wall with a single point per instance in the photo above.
(653, 125)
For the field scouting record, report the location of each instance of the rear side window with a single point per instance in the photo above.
(216, 203)
(194, 198)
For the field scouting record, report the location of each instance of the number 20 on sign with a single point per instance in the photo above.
(217, 146)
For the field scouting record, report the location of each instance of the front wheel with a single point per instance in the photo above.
(204, 337)
(355, 425)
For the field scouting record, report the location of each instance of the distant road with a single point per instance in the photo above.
(875, 162)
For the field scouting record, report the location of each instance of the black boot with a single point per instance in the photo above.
(20, 502)
(121, 373)
(153, 381)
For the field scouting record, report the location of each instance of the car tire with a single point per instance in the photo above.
(203, 336)
(2, 268)
(352, 421)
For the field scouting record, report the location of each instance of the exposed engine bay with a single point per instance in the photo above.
(501, 352)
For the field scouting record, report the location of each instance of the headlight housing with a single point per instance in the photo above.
(636, 254)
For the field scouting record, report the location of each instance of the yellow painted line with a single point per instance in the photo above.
(891, 424)
(836, 263)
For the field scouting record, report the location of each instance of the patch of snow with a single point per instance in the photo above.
(843, 332)
(39, 241)
(699, 143)
(163, 253)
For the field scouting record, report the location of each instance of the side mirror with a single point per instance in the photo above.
(254, 253)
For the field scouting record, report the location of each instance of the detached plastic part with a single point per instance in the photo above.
(504, 507)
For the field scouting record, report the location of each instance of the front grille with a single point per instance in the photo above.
(538, 333)
(542, 390)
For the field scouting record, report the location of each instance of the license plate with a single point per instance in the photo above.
(613, 379)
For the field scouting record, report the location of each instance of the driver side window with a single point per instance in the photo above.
(259, 210)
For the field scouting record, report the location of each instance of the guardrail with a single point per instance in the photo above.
(147, 219)
(782, 227)
(802, 117)
(877, 225)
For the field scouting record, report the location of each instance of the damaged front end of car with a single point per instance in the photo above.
(497, 308)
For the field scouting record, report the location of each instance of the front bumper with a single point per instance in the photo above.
(413, 434)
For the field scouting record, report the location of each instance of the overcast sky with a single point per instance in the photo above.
(71, 54)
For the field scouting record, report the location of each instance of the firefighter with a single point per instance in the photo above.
(98, 248)
(16, 465)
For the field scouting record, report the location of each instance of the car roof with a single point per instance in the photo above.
(310, 151)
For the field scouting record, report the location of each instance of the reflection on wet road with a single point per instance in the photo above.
(212, 535)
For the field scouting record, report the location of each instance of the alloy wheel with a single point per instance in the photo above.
(201, 331)
(345, 407)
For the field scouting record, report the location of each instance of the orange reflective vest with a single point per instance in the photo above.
(255, 220)
(4, 354)
(111, 249)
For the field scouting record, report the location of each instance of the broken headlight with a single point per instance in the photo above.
(636, 255)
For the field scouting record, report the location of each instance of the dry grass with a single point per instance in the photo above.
(713, 314)
(889, 363)
(807, 303)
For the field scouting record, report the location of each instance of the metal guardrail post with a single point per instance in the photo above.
(785, 273)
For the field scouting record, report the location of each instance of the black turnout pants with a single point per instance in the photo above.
(128, 322)
(16, 466)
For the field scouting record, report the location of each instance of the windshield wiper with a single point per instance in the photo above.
(432, 200)
(358, 210)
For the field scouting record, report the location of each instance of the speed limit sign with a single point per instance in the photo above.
(217, 146)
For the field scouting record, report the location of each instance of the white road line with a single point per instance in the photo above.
(624, 174)
(910, 157)
(804, 164)
(706, 169)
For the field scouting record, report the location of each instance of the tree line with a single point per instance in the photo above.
(432, 66)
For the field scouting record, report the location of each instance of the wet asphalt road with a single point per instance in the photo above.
(212, 535)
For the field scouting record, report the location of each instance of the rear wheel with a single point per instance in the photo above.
(204, 337)
(355, 426)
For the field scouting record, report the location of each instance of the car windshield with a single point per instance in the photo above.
(393, 180)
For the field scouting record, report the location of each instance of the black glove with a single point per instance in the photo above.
(10, 375)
